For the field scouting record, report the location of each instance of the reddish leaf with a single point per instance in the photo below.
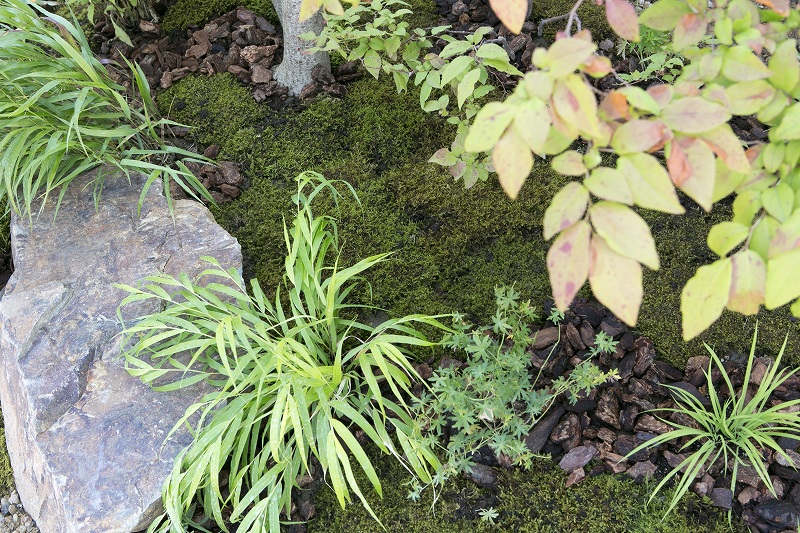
(749, 97)
(699, 185)
(598, 67)
(622, 19)
(640, 136)
(615, 106)
(694, 115)
(510, 12)
(728, 147)
(677, 164)
(748, 282)
(568, 263)
(781, 7)
(616, 281)
(689, 31)
(787, 236)
(661, 93)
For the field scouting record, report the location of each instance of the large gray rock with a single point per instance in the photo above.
(87, 440)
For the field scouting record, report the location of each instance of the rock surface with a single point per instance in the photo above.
(86, 439)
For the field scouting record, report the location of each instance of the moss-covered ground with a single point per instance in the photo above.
(534, 501)
(451, 247)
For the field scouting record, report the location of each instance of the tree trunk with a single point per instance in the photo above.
(294, 72)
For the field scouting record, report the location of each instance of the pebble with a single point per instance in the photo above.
(13, 518)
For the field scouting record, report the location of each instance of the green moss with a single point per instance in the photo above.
(425, 13)
(6, 473)
(681, 244)
(184, 13)
(535, 501)
(452, 246)
(592, 17)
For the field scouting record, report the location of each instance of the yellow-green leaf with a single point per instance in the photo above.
(784, 66)
(532, 123)
(467, 85)
(372, 62)
(490, 123)
(726, 181)
(609, 184)
(640, 99)
(725, 236)
(625, 232)
(575, 103)
(778, 201)
(308, 8)
(566, 55)
(763, 233)
(664, 14)
(566, 208)
(513, 162)
(786, 237)
(651, 185)
(568, 263)
(749, 97)
(740, 64)
(539, 84)
(569, 163)
(748, 282)
(705, 296)
(616, 281)
(789, 128)
(746, 206)
(694, 114)
(783, 281)
(511, 13)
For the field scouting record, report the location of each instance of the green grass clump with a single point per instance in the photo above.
(533, 501)
(184, 13)
(61, 114)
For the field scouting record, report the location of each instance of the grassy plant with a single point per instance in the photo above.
(298, 377)
(735, 431)
(120, 13)
(61, 114)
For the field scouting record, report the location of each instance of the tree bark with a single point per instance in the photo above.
(294, 72)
